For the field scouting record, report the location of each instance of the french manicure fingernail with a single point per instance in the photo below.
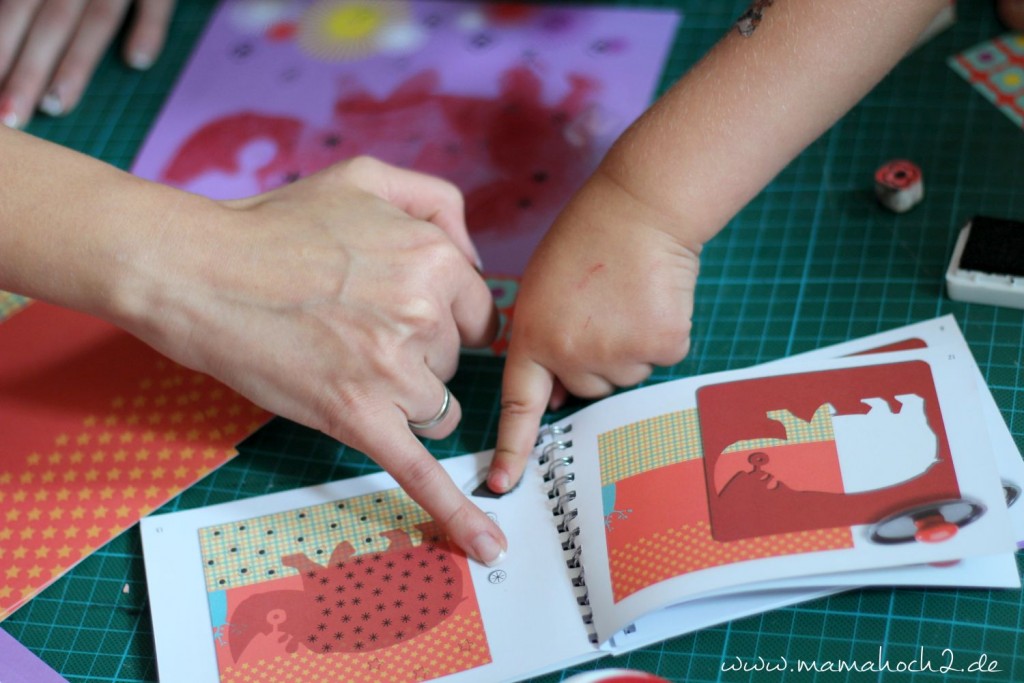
(140, 61)
(51, 104)
(488, 550)
(8, 116)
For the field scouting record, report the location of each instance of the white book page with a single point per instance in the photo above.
(967, 435)
(528, 606)
(704, 613)
(989, 571)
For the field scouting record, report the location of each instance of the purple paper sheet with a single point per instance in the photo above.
(18, 665)
(515, 104)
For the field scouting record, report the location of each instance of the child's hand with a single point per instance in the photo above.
(50, 48)
(610, 290)
(607, 294)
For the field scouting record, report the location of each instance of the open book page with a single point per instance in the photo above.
(941, 335)
(986, 571)
(1000, 570)
(803, 464)
(703, 613)
(351, 578)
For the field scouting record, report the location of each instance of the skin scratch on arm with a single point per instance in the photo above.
(593, 270)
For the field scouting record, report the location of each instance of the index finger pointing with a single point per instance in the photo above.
(526, 388)
(422, 477)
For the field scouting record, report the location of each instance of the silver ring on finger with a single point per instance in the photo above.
(442, 413)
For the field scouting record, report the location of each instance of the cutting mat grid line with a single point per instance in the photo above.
(813, 260)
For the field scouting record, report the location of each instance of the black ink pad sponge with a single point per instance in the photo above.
(987, 266)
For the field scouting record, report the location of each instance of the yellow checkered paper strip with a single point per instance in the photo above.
(797, 430)
(649, 444)
(249, 551)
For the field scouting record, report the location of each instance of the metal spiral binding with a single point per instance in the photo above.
(548, 452)
(552, 430)
(565, 460)
(555, 458)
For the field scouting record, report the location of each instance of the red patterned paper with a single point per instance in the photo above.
(765, 494)
(648, 544)
(96, 430)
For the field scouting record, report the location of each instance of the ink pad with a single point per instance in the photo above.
(987, 266)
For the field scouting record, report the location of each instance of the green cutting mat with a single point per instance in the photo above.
(812, 261)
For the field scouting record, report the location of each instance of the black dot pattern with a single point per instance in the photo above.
(246, 552)
(359, 603)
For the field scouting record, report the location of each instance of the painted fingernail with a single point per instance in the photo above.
(51, 104)
(8, 116)
(488, 550)
(140, 61)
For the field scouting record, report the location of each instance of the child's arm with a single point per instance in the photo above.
(609, 292)
(339, 301)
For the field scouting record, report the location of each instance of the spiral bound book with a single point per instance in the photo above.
(649, 514)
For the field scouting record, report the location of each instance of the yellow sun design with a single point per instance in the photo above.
(346, 29)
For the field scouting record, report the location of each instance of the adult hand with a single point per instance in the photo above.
(341, 302)
(50, 48)
(592, 318)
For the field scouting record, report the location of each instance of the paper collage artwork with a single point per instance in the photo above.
(515, 104)
(98, 431)
(661, 459)
(772, 466)
(850, 446)
(995, 68)
(362, 589)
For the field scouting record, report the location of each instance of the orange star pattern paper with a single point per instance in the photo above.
(96, 430)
